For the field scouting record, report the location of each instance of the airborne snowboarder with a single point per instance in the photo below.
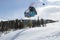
(31, 13)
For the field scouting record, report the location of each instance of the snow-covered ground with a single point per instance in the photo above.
(6, 32)
(50, 32)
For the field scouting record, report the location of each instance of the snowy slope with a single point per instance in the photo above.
(48, 12)
(51, 32)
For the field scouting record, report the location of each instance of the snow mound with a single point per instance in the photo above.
(48, 12)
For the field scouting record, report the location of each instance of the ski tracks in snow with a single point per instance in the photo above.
(17, 34)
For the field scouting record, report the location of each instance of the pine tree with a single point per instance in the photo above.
(42, 22)
(38, 22)
(30, 23)
(16, 23)
(21, 24)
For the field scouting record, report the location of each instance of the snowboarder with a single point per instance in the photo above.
(31, 12)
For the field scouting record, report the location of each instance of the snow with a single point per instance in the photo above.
(48, 12)
(50, 32)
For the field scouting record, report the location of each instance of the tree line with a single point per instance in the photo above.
(19, 24)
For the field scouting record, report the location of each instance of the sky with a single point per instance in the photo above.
(14, 9)
(53, 0)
